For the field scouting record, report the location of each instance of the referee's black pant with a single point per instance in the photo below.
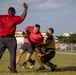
(10, 43)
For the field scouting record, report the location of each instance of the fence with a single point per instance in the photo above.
(65, 46)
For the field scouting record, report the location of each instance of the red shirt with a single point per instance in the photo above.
(8, 24)
(34, 38)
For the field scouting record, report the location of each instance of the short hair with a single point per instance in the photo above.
(28, 31)
(51, 30)
(12, 9)
(37, 25)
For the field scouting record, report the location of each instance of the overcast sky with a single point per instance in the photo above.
(58, 14)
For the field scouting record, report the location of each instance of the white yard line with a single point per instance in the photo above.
(69, 53)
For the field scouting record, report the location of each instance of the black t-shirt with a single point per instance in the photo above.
(49, 38)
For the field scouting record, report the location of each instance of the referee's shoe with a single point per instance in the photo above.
(15, 71)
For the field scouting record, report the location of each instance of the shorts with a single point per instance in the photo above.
(27, 47)
(48, 57)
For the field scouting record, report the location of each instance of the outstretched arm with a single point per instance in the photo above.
(25, 10)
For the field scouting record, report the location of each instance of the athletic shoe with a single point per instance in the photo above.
(11, 70)
(53, 68)
(23, 66)
(32, 64)
(41, 68)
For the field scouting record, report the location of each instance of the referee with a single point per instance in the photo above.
(8, 24)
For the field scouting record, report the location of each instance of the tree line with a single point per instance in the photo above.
(67, 39)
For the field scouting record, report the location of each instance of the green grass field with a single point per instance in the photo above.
(66, 66)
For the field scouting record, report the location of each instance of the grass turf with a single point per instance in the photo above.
(66, 66)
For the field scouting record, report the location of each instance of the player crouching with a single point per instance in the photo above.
(46, 51)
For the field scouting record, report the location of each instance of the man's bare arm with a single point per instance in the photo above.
(25, 10)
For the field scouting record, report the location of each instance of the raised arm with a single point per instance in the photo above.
(25, 10)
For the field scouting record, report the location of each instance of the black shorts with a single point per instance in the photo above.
(48, 57)
(27, 47)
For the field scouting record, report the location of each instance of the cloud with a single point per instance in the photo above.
(65, 14)
(49, 4)
(35, 4)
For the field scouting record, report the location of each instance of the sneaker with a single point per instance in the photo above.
(41, 68)
(23, 66)
(12, 70)
(53, 68)
(32, 64)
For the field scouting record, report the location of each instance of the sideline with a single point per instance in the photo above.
(69, 53)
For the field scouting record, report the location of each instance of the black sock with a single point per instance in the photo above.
(51, 64)
(42, 66)
(30, 60)
(24, 63)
